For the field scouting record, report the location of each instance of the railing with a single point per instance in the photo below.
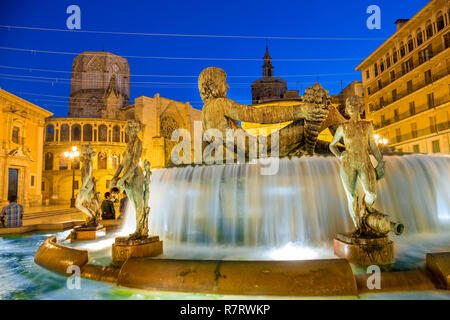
(423, 132)
(415, 88)
(416, 63)
(407, 114)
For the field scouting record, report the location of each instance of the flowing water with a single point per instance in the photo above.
(303, 203)
(233, 212)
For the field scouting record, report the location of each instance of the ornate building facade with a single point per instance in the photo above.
(103, 124)
(100, 85)
(21, 148)
(406, 83)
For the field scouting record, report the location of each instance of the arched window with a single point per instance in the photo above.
(102, 161)
(15, 135)
(394, 55)
(76, 132)
(87, 132)
(410, 44)
(429, 30)
(49, 161)
(419, 37)
(50, 133)
(115, 161)
(103, 133)
(402, 50)
(388, 61)
(65, 132)
(116, 134)
(440, 24)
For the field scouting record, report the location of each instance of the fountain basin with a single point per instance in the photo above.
(326, 277)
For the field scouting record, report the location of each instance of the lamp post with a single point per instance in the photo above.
(72, 154)
(382, 142)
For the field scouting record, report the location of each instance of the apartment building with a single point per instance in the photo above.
(406, 83)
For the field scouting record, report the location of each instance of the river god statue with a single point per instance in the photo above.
(309, 118)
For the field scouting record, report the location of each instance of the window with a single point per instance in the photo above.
(375, 67)
(102, 161)
(398, 136)
(63, 163)
(50, 133)
(43, 186)
(407, 66)
(115, 161)
(380, 85)
(419, 37)
(15, 135)
(447, 40)
(32, 180)
(381, 66)
(402, 50)
(87, 132)
(410, 44)
(102, 133)
(416, 148)
(49, 161)
(65, 132)
(116, 134)
(412, 108)
(414, 130)
(394, 95)
(381, 102)
(76, 132)
(409, 86)
(428, 76)
(432, 124)
(388, 61)
(396, 115)
(429, 30)
(392, 76)
(440, 22)
(367, 77)
(394, 56)
(430, 100)
(435, 146)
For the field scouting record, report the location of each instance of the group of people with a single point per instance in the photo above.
(11, 215)
(107, 207)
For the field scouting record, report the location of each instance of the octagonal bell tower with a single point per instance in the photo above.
(100, 85)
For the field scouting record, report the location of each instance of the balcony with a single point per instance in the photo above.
(421, 59)
(414, 88)
(422, 108)
(423, 132)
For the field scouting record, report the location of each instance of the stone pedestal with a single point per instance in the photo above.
(363, 250)
(123, 249)
(83, 233)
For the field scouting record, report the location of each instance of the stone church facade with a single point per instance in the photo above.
(98, 110)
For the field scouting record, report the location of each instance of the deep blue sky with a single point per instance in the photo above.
(318, 18)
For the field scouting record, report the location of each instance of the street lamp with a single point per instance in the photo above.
(72, 154)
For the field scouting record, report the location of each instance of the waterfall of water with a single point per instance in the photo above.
(303, 203)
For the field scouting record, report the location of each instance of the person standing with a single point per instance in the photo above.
(108, 211)
(123, 205)
(12, 214)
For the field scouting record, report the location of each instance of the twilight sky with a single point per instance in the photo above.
(329, 61)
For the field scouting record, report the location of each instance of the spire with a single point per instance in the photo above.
(267, 67)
